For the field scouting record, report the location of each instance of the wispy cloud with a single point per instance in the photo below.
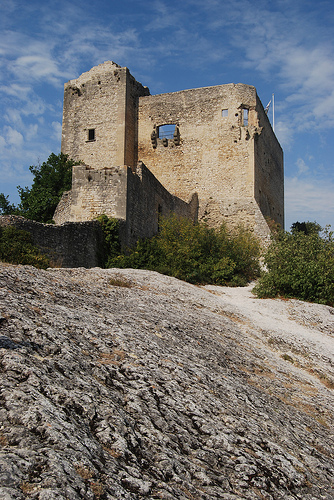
(309, 199)
(300, 56)
(56, 131)
(26, 60)
(302, 167)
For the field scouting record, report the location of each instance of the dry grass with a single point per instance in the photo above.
(287, 358)
(84, 472)
(120, 281)
(87, 474)
(112, 358)
(97, 488)
(324, 379)
(27, 488)
(112, 452)
(3, 440)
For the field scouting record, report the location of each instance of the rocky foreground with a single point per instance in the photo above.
(124, 384)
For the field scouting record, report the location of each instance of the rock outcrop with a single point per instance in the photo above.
(126, 384)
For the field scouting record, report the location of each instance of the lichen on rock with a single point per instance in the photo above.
(159, 389)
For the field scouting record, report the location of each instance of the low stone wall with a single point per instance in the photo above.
(73, 244)
(146, 200)
(136, 199)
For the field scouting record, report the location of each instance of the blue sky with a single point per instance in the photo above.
(279, 46)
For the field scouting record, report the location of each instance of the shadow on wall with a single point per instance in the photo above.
(72, 244)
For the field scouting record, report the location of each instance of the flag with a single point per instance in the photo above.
(266, 109)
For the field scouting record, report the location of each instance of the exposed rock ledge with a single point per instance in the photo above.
(163, 390)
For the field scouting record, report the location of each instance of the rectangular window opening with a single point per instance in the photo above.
(245, 117)
(166, 131)
(224, 113)
(91, 134)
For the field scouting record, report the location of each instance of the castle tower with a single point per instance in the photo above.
(100, 117)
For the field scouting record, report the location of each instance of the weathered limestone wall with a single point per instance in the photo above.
(215, 156)
(94, 192)
(71, 244)
(269, 171)
(136, 198)
(212, 158)
(147, 199)
(103, 99)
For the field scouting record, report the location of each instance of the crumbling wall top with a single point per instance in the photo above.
(97, 70)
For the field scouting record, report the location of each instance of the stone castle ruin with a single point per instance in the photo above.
(208, 154)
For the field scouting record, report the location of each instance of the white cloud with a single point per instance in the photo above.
(57, 131)
(38, 66)
(31, 131)
(13, 116)
(13, 137)
(302, 167)
(26, 59)
(309, 199)
(163, 17)
(284, 131)
(16, 90)
(292, 49)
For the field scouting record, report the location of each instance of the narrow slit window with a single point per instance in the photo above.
(166, 131)
(91, 134)
(224, 113)
(245, 117)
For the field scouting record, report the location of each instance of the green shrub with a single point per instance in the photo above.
(299, 265)
(16, 247)
(196, 253)
(112, 244)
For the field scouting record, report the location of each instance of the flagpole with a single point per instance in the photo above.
(273, 99)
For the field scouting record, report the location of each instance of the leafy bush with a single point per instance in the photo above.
(196, 253)
(16, 247)
(299, 265)
(112, 244)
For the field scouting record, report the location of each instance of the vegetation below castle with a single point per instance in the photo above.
(192, 252)
(299, 264)
(16, 247)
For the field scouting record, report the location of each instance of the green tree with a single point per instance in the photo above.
(6, 208)
(299, 265)
(306, 227)
(39, 202)
(51, 180)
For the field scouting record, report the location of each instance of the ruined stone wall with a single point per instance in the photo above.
(94, 192)
(133, 91)
(147, 199)
(68, 245)
(212, 158)
(223, 149)
(215, 153)
(103, 100)
(136, 198)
